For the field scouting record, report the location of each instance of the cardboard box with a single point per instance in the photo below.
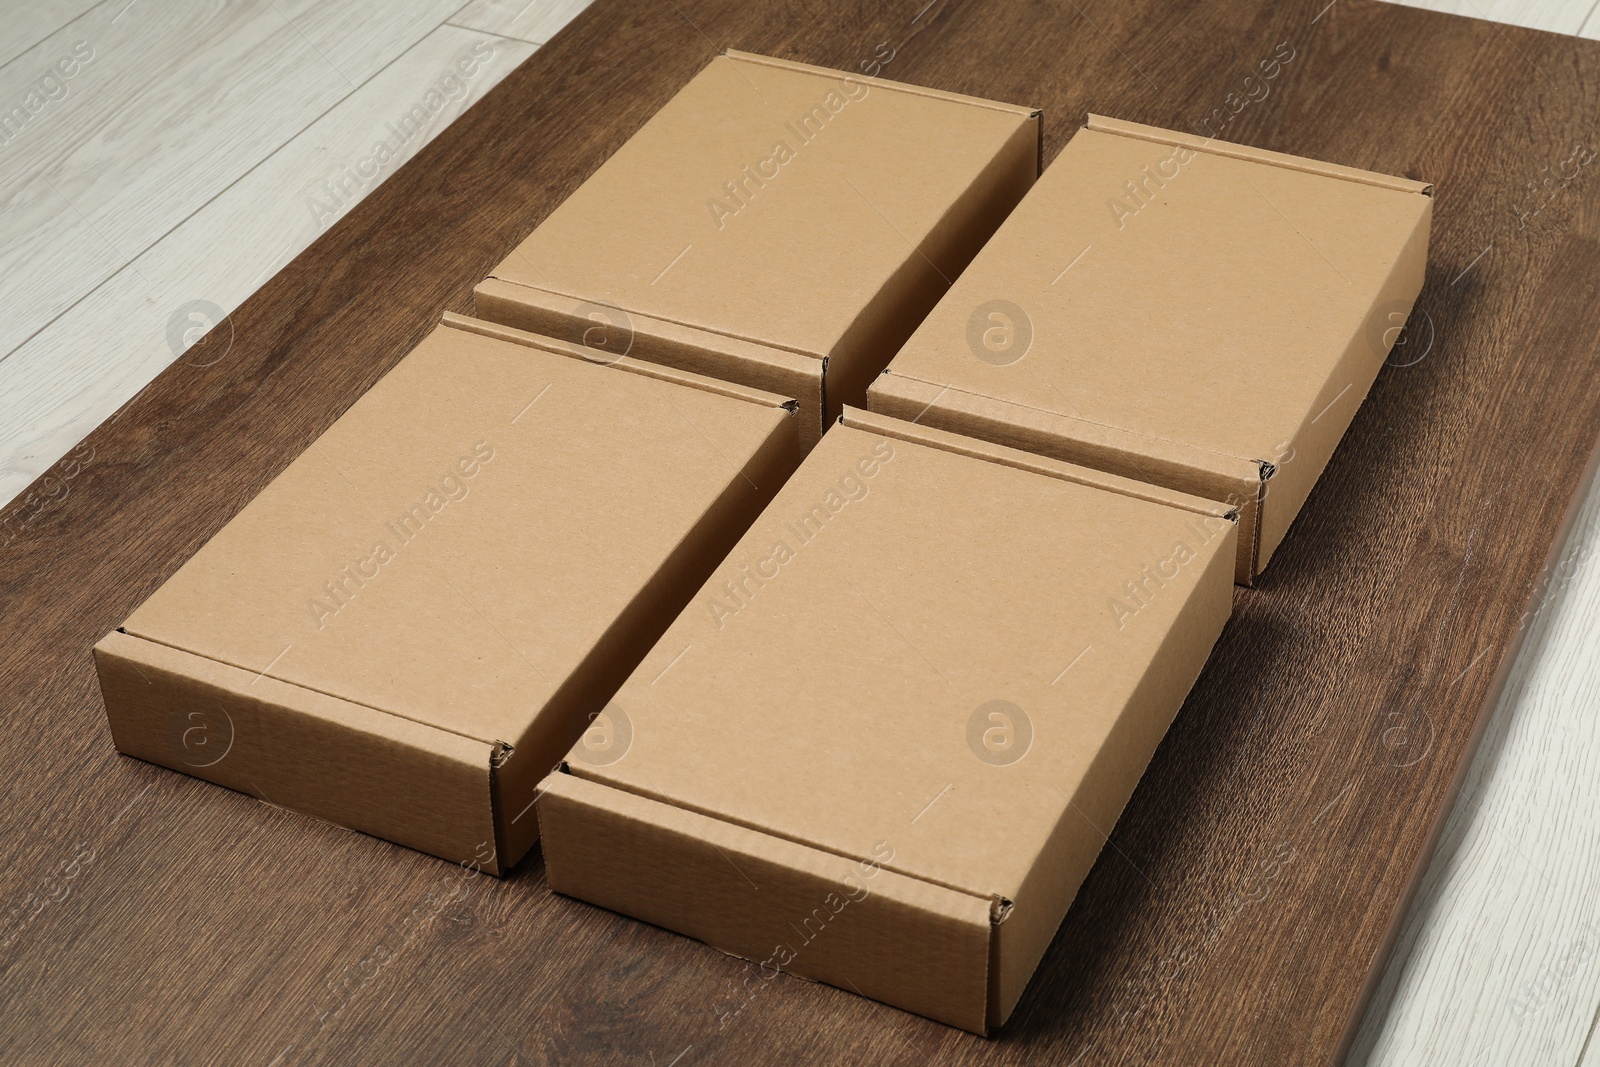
(775, 224)
(1199, 315)
(880, 746)
(409, 626)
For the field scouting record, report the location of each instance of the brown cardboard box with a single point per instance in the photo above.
(775, 224)
(1195, 314)
(407, 628)
(880, 746)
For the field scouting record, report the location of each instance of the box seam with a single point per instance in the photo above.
(641, 367)
(1073, 418)
(1251, 154)
(997, 901)
(852, 419)
(712, 331)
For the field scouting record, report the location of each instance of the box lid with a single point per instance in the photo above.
(772, 202)
(453, 546)
(927, 649)
(1173, 302)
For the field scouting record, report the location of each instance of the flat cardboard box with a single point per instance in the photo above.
(775, 224)
(1199, 315)
(411, 624)
(880, 746)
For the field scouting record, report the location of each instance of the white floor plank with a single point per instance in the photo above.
(26, 24)
(1499, 959)
(169, 105)
(1556, 16)
(86, 364)
(527, 20)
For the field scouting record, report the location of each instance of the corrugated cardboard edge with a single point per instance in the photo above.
(396, 762)
(1123, 128)
(1231, 481)
(1052, 883)
(665, 343)
(897, 939)
(342, 762)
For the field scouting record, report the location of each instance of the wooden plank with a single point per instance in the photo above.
(169, 105)
(527, 20)
(1492, 965)
(1262, 867)
(1499, 960)
(28, 24)
(87, 363)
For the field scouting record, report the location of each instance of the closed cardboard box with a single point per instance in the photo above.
(411, 624)
(1194, 314)
(775, 224)
(882, 745)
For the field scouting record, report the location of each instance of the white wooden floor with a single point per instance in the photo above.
(160, 159)
(195, 149)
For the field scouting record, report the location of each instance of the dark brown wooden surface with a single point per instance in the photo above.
(1265, 860)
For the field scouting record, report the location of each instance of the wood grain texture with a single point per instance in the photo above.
(28, 24)
(1262, 867)
(1499, 959)
(1496, 961)
(131, 147)
(58, 385)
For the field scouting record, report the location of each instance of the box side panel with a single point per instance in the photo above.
(896, 311)
(786, 907)
(585, 693)
(1170, 464)
(1069, 854)
(1341, 396)
(341, 762)
(618, 332)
